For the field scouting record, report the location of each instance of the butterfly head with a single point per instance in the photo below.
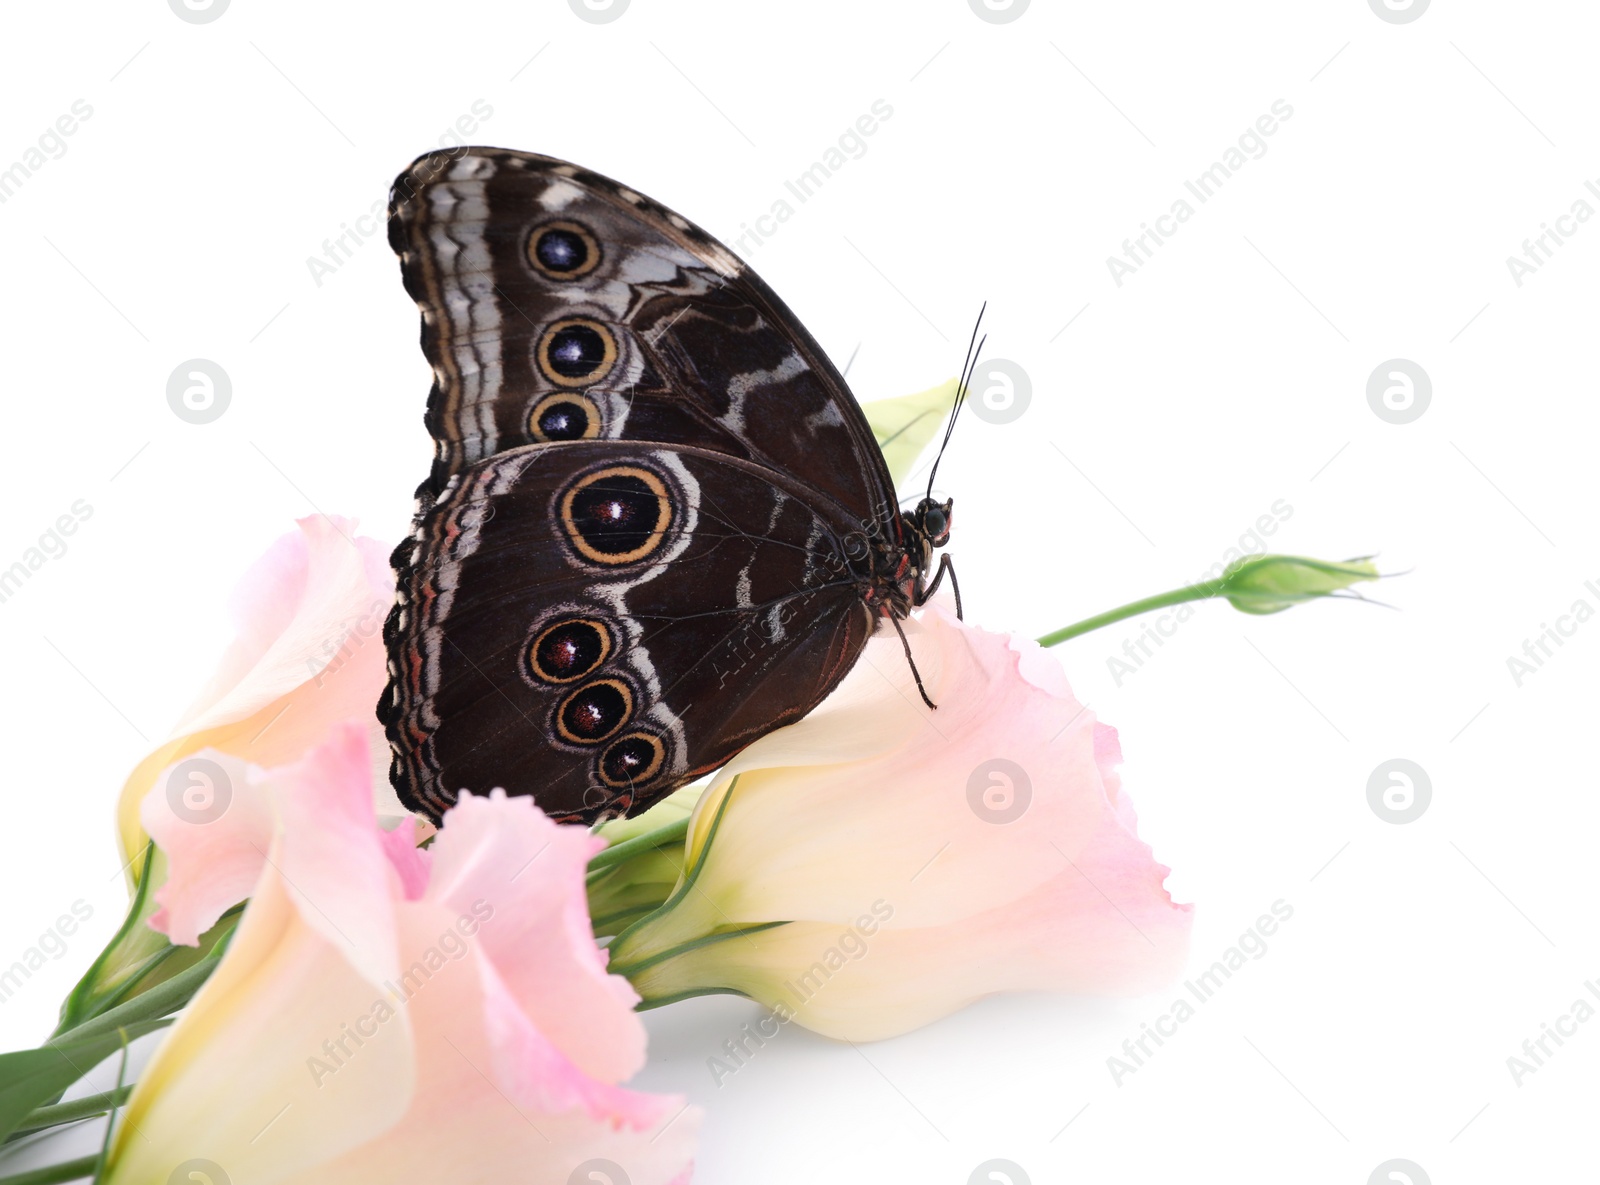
(931, 521)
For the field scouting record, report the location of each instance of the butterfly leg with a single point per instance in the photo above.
(911, 662)
(946, 564)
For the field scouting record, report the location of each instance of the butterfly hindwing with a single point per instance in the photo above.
(596, 622)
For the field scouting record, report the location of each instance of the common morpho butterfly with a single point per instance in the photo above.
(657, 524)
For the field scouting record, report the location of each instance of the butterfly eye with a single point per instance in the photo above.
(632, 759)
(933, 520)
(593, 712)
(563, 250)
(569, 650)
(577, 352)
(564, 417)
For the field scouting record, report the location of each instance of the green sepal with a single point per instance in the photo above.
(672, 929)
(138, 958)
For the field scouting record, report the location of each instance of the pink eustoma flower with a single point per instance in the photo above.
(386, 1013)
(307, 653)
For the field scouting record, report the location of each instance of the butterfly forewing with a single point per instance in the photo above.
(558, 304)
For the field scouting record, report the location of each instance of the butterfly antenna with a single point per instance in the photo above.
(968, 366)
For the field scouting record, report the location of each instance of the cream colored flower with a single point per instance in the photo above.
(876, 865)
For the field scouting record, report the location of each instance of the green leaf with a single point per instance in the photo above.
(904, 425)
(55, 1174)
(88, 1107)
(31, 1077)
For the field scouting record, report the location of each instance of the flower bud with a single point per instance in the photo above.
(1272, 583)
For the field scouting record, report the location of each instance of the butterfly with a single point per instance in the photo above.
(657, 524)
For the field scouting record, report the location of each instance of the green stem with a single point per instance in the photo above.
(71, 1170)
(111, 1123)
(1190, 592)
(88, 1107)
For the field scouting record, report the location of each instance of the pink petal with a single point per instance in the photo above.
(531, 1070)
(540, 940)
(312, 602)
(495, 1100)
(1107, 926)
(389, 1009)
(853, 802)
(411, 863)
(332, 854)
(214, 853)
(309, 653)
(245, 1073)
(1103, 925)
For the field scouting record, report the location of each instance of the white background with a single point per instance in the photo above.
(1228, 373)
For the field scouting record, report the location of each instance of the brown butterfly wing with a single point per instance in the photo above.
(558, 304)
(575, 327)
(596, 623)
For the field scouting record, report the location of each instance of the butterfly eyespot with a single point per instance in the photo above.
(564, 417)
(617, 515)
(563, 250)
(569, 650)
(632, 759)
(577, 352)
(593, 712)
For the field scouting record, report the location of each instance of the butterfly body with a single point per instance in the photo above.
(657, 525)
